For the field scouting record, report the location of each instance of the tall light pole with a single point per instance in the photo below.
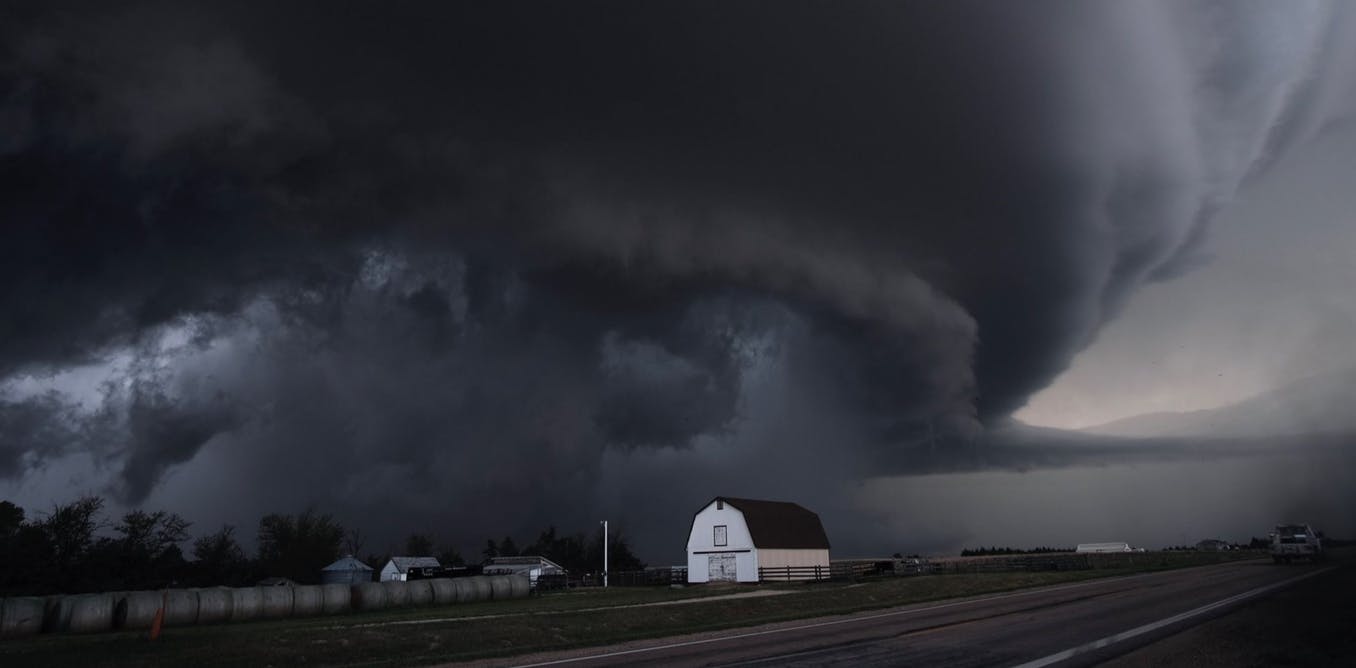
(604, 523)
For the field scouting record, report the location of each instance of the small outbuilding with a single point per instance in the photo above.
(398, 568)
(732, 539)
(347, 570)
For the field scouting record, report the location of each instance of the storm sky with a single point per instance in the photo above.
(473, 269)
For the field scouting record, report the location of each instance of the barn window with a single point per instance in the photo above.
(720, 505)
(719, 536)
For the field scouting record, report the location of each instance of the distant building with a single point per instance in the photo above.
(1095, 548)
(347, 570)
(398, 568)
(1212, 545)
(532, 567)
(731, 539)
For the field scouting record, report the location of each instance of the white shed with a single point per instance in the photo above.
(1101, 548)
(731, 539)
(398, 568)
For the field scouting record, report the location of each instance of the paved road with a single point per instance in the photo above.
(1076, 624)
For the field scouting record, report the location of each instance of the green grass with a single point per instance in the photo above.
(553, 621)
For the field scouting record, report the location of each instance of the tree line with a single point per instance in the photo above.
(76, 548)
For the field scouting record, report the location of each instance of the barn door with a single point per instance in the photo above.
(721, 568)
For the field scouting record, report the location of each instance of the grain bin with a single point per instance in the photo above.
(90, 613)
(397, 593)
(347, 570)
(336, 598)
(444, 591)
(277, 602)
(368, 596)
(421, 592)
(307, 601)
(215, 605)
(21, 616)
(247, 603)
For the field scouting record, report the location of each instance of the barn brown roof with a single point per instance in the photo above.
(780, 524)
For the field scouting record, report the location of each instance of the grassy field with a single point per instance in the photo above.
(553, 621)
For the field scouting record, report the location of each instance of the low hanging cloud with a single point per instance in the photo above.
(461, 253)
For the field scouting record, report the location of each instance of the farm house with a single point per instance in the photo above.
(731, 539)
(531, 566)
(398, 568)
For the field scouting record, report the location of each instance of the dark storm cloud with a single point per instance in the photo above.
(476, 247)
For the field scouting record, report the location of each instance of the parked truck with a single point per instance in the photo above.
(1295, 541)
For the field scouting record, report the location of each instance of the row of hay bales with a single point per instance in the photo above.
(92, 613)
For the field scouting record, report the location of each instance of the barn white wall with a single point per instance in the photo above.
(390, 572)
(700, 539)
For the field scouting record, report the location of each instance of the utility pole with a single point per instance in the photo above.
(604, 523)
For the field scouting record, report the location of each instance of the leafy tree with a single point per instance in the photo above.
(219, 559)
(69, 530)
(418, 545)
(11, 518)
(451, 557)
(298, 547)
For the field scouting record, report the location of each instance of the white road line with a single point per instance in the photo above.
(836, 622)
(1152, 626)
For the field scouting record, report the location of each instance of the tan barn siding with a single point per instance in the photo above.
(775, 558)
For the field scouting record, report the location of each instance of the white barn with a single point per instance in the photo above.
(1102, 548)
(398, 568)
(732, 538)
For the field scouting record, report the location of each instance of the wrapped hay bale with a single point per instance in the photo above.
(421, 592)
(500, 587)
(444, 591)
(397, 593)
(277, 602)
(246, 603)
(335, 598)
(307, 601)
(480, 587)
(462, 590)
(21, 616)
(181, 607)
(136, 609)
(215, 605)
(56, 618)
(520, 586)
(368, 596)
(90, 613)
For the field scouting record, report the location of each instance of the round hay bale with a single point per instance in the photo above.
(368, 596)
(91, 613)
(500, 587)
(480, 587)
(444, 591)
(307, 601)
(215, 605)
(421, 592)
(520, 586)
(277, 602)
(246, 603)
(335, 598)
(397, 593)
(21, 616)
(136, 609)
(462, 590)
(56, 618)
(181, 607)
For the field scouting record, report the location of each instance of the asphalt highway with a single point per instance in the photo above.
(1066, 625)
